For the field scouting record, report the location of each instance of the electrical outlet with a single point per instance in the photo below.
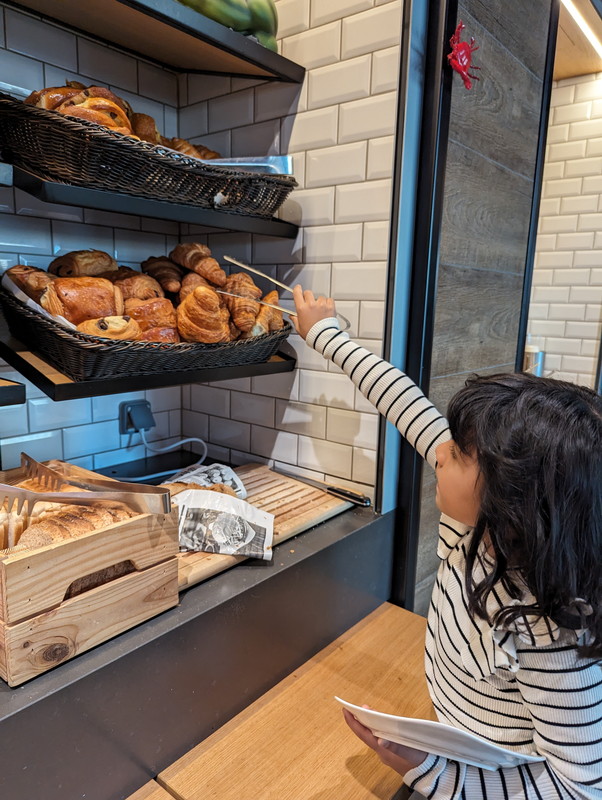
(135, 415)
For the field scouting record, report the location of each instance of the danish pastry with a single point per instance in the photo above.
(31, 280)
(82, 262)
(169, 335)
(78, 299)
(135, 284)
(157, 312)
(111, 328)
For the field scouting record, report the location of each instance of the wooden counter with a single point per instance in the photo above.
(293, 742)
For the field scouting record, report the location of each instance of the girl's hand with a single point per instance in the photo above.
(310, 309)
(400, 758)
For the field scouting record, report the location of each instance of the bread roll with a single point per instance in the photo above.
(71, 521)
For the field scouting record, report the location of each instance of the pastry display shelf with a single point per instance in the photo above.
(59, 387)
(170, 34)
(67, 194)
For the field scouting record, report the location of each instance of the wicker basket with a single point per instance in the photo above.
(60, 148)
(82, 357)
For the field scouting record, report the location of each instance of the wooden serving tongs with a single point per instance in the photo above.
(278, 283)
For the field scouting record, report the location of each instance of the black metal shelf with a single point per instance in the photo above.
(170, 34)
(59, 387)
(11, 393)
(66, 194)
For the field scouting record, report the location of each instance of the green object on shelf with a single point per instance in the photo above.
(267, 40)
(263, 16)
(256, 18)
(233, 14)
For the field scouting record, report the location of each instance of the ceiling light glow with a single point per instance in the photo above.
(587, 31)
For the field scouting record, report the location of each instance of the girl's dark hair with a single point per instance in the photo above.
(538, 444)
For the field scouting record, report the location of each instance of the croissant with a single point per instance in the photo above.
(156, 312)
(78, 299)
(201, 318)
(189, 283)
(165, 271)
(111, 328)
(245, 310)
(169, 335)
(269, 319)
(31, 280)
(82, 262)
(189, 149)
(145, 128)
(197, 257)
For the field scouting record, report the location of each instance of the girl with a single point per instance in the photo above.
(514, 636)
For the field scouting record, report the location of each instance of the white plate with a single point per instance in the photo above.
(438, 738)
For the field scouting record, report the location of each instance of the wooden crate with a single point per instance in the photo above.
(47, 616)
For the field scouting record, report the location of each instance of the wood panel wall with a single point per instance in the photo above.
(488, 195)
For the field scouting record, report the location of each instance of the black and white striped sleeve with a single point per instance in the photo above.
(393, 394)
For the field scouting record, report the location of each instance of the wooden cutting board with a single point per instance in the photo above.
(296, 507)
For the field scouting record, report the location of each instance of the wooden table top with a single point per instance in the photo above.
(151, 791)
(293, 743)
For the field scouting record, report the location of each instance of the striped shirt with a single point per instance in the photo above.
(522, 687)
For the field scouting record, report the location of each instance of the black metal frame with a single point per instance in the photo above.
(59, 387)
(178, 17)
(103, 200)
(435, 124)
(537, 184)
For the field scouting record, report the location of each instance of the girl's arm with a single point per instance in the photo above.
(393, 394)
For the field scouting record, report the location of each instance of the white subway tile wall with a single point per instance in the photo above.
(35, 53)
(339, 127)
(565, 315)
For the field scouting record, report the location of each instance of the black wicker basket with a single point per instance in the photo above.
(82, 357)
(81, 153)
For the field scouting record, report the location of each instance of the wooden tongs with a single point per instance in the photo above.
(278, 283)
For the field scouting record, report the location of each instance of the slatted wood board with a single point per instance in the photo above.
(296, 508)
